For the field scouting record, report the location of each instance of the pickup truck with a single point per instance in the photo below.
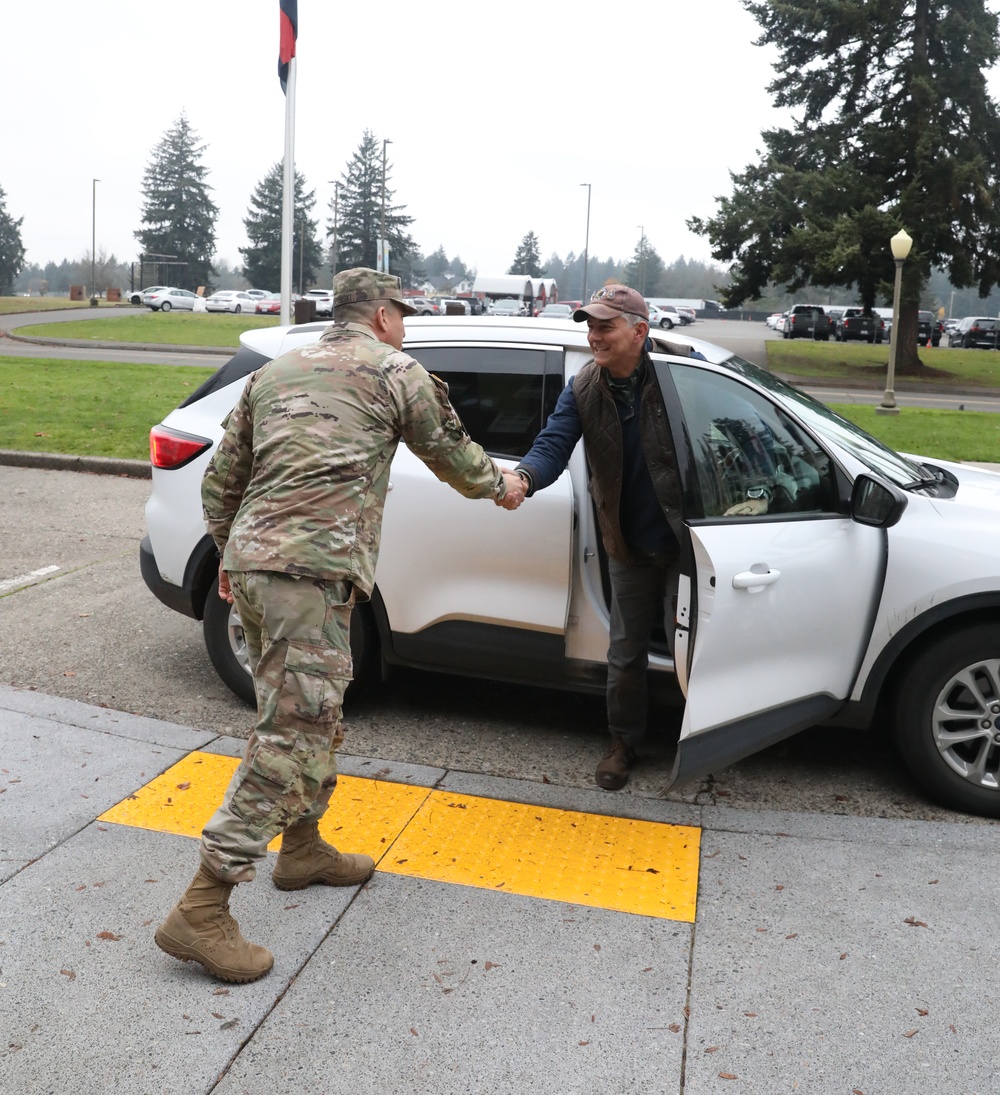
(808, 321)
(855, 324)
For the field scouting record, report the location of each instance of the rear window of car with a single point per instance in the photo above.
(503, 394)
(241, 364)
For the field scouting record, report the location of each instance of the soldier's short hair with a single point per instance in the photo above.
(358, 311)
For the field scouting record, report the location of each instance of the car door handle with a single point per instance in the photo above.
(755, 580)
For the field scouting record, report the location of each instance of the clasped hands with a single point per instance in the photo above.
(515, 492)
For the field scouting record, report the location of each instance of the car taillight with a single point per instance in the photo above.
(173, 449)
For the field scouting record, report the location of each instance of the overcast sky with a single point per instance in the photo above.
(496, 114)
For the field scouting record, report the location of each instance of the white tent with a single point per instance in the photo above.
(518, 286)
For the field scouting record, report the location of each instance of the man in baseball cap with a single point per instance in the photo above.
(614, 403)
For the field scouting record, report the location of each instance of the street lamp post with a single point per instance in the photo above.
(586, 245)
(336, 199)
(93, 242)
(642, 260)
(900, 244)
(385, 256)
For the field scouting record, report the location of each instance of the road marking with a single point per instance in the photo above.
(641, 867)
(25, 579)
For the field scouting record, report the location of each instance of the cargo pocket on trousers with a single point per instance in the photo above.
(306, 700)
(268, 792)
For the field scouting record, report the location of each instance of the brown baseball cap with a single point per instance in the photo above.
(613, 301)
(361, 284)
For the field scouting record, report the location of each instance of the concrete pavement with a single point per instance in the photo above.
(821, 954)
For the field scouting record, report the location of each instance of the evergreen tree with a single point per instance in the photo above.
(528, 259)
(179, 216)
(895, 128)
(262, 255)
(11, 247)
(359, 215)
(644, 269)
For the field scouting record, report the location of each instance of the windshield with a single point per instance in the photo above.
(827, 423)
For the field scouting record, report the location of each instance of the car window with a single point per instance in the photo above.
(741, 446)
(503, 394)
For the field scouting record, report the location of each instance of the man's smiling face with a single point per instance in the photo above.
(617, 347)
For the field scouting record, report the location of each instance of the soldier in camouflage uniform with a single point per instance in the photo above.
(294, 496)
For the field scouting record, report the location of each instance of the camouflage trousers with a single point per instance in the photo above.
(297, 632)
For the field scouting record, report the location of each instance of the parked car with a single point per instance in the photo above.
(258, 294)
(269, 304)
(687, 315)
(855, 324)
(164, 300)
(665, 316)
(323, 299)
(230, 300)
(137, 296)
(823, 609)
(808, 321)
(455, 306)
(975, 332)
(424, 306)
(556, 311)
(508, 308)
(772, 319)
(781, 323)
(929, 329)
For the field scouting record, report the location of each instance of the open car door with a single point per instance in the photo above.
(776, 612)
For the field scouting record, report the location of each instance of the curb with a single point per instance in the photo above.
(96, 465)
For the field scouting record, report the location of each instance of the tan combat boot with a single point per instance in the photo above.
(305, 857)
(200, 929)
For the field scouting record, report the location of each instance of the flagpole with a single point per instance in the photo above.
(288, 199)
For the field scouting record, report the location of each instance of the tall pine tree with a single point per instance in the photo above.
(894, 128)
(11, 247)
(262, 255)
(178, 215)
(359, 214)
(528, 259)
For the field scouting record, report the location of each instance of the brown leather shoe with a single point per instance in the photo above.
(612, 769)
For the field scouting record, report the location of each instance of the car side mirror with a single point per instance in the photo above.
(876, 503)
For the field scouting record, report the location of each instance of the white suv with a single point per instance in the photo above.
(867, 588)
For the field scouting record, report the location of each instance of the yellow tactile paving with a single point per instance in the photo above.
(586, 859)
(369, 815)
(561, 855)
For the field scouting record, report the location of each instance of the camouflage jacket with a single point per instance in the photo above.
(298, 482)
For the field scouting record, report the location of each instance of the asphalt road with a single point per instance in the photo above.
(77, 621)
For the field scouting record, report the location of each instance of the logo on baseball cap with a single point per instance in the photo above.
(613, 301)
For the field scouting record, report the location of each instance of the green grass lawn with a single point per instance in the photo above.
(866, 365)
(158, 328)
(88, 408)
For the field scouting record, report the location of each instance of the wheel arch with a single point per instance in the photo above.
(937, 623)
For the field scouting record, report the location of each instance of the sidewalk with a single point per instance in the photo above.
(816, 954)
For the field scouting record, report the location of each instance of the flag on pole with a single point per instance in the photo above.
(289, 17)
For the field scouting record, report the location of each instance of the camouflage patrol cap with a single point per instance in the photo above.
(361, 284)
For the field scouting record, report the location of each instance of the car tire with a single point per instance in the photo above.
(238, 309)
(227, 648)
(947, 721)
(668, 323)
(165, 306)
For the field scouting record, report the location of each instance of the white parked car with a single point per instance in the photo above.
(665, 316)
(136, 296)
(324, 300)
(230, 300)
(508, 308)
(866, 591)
(165, 300)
